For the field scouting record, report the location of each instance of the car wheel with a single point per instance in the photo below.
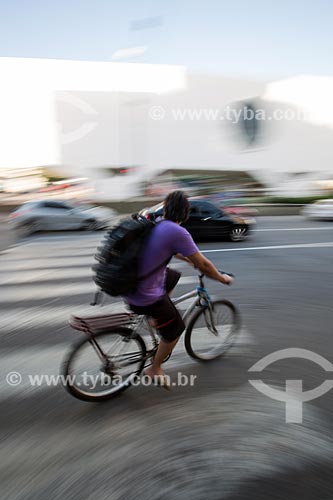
(91, 225)
(27, 228)
(238, 233)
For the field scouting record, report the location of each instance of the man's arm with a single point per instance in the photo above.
(185, 259)
(208, 269)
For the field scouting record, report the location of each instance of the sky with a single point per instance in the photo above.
(258, 39)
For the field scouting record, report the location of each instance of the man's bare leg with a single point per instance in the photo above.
(164, 349)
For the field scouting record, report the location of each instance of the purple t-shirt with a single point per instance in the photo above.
(165, 240)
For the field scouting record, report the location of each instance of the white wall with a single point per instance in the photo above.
(85, 115)
(125, 133)
(30, 132)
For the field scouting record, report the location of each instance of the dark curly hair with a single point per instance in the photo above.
(176, 207)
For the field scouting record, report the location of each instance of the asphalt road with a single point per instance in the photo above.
(8, 237)
(218, 439)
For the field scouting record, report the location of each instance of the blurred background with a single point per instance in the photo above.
(120, 102)
(105, 107)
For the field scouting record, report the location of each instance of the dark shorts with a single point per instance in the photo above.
(169, 322)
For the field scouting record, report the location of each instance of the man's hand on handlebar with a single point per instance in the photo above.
(227, 278)
(208, 269)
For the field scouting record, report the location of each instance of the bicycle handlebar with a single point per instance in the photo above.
(201, 276)
(228, 274)
(99, 293)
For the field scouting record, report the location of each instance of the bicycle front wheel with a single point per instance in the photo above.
(100, 367)
(212, 330)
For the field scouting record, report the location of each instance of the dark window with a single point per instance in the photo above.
(207, 209)
(56, 204)
(194, 210)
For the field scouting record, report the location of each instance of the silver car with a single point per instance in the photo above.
(54, 215)
(322, 209)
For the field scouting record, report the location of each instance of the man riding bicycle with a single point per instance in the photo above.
(151, 297)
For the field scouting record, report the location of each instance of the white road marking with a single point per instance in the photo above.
(60, 237)
(46, 275)
(41, 291)
(29, 361)
(182, 306)
(294, 229)
(41, 360)
(48, 263)
(187, 280)
(272, 247)
(44, 291)
(20, 318)
(235, 411)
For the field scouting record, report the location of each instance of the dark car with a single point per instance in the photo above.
(206, 221)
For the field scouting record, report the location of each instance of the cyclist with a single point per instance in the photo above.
(151, 297)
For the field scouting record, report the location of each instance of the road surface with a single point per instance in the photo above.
(218, 439)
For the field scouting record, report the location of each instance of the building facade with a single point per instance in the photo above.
(121, 124)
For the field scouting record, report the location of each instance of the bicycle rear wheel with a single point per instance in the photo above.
(212, 330)
(101, 367)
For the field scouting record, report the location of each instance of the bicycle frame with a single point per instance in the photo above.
(129, 349)
(203, 299)
(191, 307)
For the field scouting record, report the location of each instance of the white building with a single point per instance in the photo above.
(94, 118)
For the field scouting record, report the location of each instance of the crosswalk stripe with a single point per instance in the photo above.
(25, 277)
(50, 263)
(47, 361)
(44, 276)
(50, 314)
(188, 280)
(43, 291)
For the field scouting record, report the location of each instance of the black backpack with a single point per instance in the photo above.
(119, 255)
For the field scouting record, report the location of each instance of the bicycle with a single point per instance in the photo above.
(120, 353)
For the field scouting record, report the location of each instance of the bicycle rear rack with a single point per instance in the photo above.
(95, 324)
